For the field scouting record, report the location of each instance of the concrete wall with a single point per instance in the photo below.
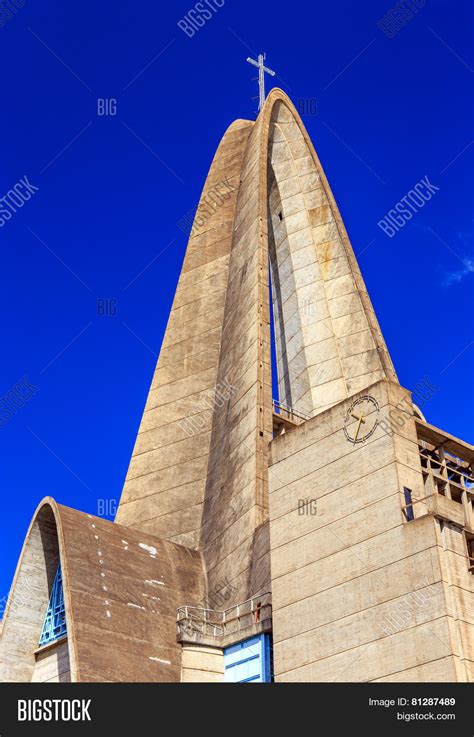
(328, 342)
(52, 665)
(199, 473)
(164, 488)
(122, 591)
(236, 496)
(201, 664)
(459, 596)
(358, 594)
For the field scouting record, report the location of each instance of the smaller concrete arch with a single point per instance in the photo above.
(121, 589)
(30, 592)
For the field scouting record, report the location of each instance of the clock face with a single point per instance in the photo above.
(362, 419)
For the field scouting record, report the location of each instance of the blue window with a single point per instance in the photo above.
(54, 625)
(248, 661)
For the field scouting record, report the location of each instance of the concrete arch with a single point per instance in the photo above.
(199, 471)
(323, 357)
(329, 343)
(122, 588)
(42, 551)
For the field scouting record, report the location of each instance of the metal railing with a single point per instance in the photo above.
(192, 620)
(449, 476)
(283, 409)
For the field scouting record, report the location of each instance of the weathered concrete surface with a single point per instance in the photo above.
(121, 587)
(201, 664)
(52, 664)
(164, 489)
(199, 472)
(329, 344)
(358, 593)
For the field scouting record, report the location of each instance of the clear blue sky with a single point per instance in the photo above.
(111, 190)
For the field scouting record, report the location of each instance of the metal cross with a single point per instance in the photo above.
(261, 76)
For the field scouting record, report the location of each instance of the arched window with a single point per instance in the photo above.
(54, 626)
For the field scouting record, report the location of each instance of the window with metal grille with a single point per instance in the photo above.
(54, 625)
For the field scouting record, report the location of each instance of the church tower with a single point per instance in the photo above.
(317, 530)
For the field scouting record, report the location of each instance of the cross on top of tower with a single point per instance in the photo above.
(261, 76)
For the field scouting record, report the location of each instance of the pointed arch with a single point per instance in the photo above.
(329, 343)
(43, 551)
(122, 588)
(199, 471)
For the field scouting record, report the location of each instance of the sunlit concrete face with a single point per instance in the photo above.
(166, 481)
(362, 591)
(327, 338)
(199, 471)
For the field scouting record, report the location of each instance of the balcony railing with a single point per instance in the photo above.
(208, 625)
(448, 483)
(296, 416)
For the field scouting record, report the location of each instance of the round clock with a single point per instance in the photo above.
(361, 419)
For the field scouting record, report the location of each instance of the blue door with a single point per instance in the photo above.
(248, 661)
